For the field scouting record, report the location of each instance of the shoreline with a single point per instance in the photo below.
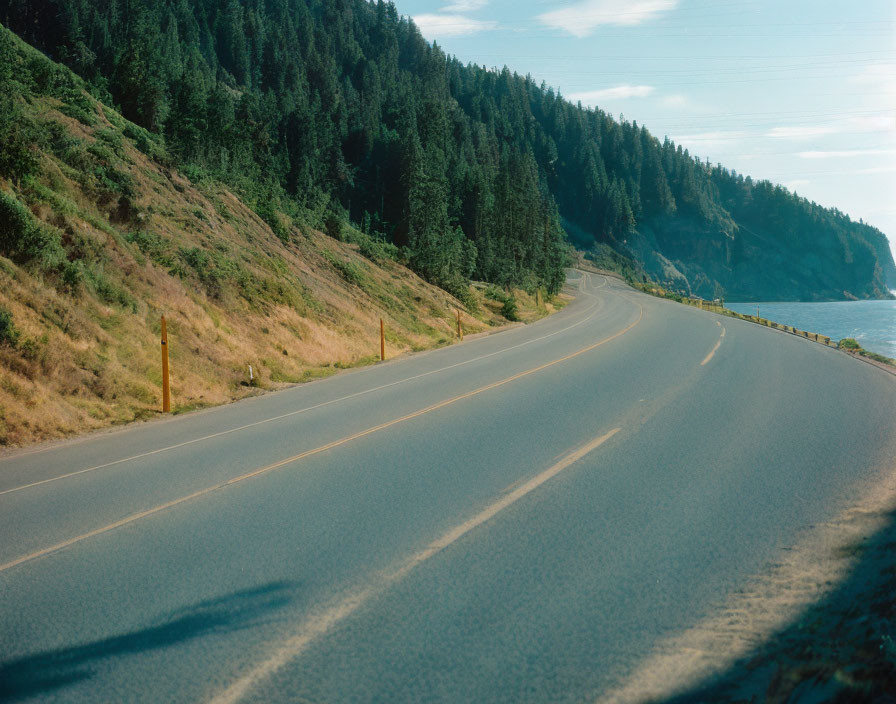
(880, 361)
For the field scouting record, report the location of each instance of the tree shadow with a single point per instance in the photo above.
(841, 649)
(44, 672)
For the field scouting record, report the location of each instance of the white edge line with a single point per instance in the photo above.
(305, 410)
(327, 619)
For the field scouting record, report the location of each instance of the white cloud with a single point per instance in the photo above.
(703, 140)
(875, 170)
(879, 123)
(583, 18)
(451, 25)
(855, 125)
(461, 6)
(801, 131)
(845, 153)
(592, 97)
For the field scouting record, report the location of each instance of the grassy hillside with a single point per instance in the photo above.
(102, 236)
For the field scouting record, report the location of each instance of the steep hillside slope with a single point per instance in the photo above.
(102, 236)
(340, 110)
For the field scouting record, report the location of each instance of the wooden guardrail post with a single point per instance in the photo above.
(460, 329)
(382, 341)
(166, 388)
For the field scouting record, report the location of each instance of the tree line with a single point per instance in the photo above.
(340, 108)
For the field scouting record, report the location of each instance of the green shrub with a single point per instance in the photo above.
(202, 263)
(376, 249)
(77, 112)
(215, 271)
(848, 343)
(142, 140)
(107, 291)
(24, 240)
(18, 156)
(156, 247)
(509, 309)
(348, 270)
(494, 293)
(266, 211)
(15, 221)
(72, 274)
(8, 333)
(333, 226)
(509, 306)
(878, 357)
(59, 141)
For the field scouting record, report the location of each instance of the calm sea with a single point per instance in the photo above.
(872, 323)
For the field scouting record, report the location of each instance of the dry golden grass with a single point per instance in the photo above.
(296, 311)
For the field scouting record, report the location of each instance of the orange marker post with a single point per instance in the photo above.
(382, 341)
(166, 388)
(460, 329)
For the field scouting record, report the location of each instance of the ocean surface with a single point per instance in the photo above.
(871, 323)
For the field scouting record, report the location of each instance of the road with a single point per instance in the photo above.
(519, 517)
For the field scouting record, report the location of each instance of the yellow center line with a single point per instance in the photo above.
(308, 453)
(713, 350)
(324, 621)
(598, 304)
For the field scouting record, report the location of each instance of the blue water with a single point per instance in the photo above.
(871, 323)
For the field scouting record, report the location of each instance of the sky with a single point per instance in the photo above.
(799, 92)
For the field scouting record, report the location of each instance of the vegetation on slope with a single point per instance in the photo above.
(100, 235)
(340, 109)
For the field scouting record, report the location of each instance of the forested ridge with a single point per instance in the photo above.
(334, 110)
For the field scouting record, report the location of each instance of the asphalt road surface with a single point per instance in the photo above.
(517, 518)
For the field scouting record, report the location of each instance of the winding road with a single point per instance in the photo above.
(517, 518)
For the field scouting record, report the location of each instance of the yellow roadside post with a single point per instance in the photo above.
(382, 341)
(166, 389)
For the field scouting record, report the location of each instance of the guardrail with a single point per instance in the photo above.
(719, 307)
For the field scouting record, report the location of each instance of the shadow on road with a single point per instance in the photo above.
(43, 672)
(842, 649)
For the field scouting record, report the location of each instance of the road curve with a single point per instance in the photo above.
(516, 518)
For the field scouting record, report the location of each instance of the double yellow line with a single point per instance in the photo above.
(308, 453)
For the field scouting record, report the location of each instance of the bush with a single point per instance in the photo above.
(206, 269)
(24, 240)
(348, 270)
(878, 357)
(156, 247)
(72, 275)
(266, 211)
(8, 333)
(18, 156)
(333, 226)
(509, 309)
(848, 343)
(494, 293)
(376, 249)
(108, 292)
(15, 221)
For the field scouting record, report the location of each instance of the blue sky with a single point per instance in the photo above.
(802, 93)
